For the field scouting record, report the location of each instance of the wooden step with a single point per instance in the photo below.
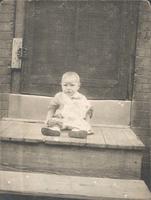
(72, 187)
(113, 152)
(111, 112)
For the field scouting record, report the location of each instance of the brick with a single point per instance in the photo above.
(3, 105)
(139, 68)
(6, 35)
(144, 36)
(6, 17)
(145, 16)
(140, 105)
(4, 96)
(144, 44)
(142, 96)
(142, 89)
(5, 88)
(145, 26)
(141, 80)
(5, 53)
(5, 79)
(144, 123)
(6, 2)
(142, 133)
(5, 50)
(144, 62)
(7, 8)
(143, 71)
(141, 114)
(4, 71)
(5, 62)
(6, 26)
(143, 52)
(5, 44)
(3, 113)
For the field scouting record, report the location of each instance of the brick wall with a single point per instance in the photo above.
(141, 104)
(7, 10)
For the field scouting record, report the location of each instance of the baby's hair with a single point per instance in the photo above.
(71, 74)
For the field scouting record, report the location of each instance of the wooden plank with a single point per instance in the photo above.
(110, 137)
(132, 138)
(14, 131)
(97, 137)
(75, 159)
(72, 187)
(121, 138)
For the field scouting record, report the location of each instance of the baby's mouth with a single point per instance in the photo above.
(69, 93)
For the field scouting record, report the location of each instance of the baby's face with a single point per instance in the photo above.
(70, 86)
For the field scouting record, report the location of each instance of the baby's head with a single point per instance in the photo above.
(70, 83)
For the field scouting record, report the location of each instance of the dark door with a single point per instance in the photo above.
(96, 39)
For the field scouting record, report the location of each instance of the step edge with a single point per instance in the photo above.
(25, 174)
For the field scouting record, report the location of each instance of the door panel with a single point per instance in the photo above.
(93, 38)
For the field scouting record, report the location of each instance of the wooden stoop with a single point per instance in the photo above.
(53, 187)
(111, 154)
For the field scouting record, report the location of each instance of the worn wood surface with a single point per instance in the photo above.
(70, 160)
(24, 147)
(104, 136)
(72, 187)
(93, 38)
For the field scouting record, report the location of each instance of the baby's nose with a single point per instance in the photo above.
(68, 87)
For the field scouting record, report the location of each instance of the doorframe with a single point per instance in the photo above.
(18, 33)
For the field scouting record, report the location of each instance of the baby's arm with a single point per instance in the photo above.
(89, 114)
(54, 104)
(49, 116)
(89, 108)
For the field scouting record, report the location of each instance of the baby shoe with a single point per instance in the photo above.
(78, 134)
(90, 132)
(53, 131)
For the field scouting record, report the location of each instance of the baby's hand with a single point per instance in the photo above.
(53, 122)
(89, 114)
(48, 122)
(58, 115)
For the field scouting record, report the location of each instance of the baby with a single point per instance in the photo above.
(69, 110)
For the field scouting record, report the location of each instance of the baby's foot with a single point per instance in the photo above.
(76, 133)
(90, 132)
(51, 131)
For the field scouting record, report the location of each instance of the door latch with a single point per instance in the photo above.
(22, 53)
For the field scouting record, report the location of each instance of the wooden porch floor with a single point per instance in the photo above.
(104, 136)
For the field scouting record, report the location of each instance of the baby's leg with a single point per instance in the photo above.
(53, 127)
(80, 128)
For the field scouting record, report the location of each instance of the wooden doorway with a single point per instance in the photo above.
(94, 38)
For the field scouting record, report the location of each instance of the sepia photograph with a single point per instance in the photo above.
(75, 100)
